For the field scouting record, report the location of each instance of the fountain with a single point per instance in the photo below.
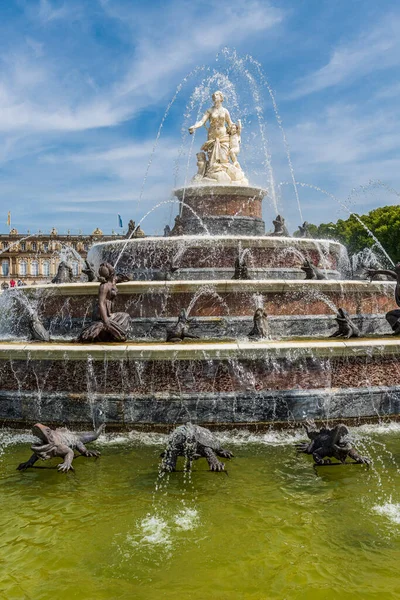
(258, 351)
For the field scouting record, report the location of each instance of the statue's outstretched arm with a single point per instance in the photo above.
(200, 123)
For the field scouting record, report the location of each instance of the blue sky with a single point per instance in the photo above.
(85, 84)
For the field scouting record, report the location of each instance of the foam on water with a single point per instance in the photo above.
(133, 438)
(389, 510)
(379, 428)
(187, 519)
(155, 530)
(158, 530)
(9, 437)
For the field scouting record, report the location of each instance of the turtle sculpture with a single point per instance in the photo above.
(311, 271)
(330, 443)
(346, 327)
(60, 443)
(193, 442)
(260, 324)
(180, 330)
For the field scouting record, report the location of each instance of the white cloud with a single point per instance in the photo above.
(372, 50)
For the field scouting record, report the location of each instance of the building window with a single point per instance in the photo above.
(23, 268)
(75, 268)
(35, 268)
(5, 268)
(46, 268)
(45, 247)
(22, 246)
(33, 246)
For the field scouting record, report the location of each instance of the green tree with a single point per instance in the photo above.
(383, 223)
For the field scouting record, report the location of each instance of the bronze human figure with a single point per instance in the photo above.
(109, 326)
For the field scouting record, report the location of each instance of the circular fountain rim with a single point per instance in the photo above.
(217, 189)
(195, 350)
(267, 240)
(219, 285)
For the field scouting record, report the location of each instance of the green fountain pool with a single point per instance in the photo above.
(273, 528)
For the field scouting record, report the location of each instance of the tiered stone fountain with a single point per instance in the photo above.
(224, 378)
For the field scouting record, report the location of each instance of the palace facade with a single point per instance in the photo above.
(34, 258)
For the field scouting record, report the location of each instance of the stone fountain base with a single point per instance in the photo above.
(158, 385)
(204, 257)
(221, 210)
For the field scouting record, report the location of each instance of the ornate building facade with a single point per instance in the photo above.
(34, 258)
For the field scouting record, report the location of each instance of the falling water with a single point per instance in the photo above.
(318, 189)
(171, 102)
(153, 209)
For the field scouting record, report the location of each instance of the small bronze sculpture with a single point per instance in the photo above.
(346, 327)
(260, 327)
(37, 329)
(109, 326)
(330, 443)
(60, 443)
(280, 228)
(64, 273)
(304, 230)
(139, 233)
(166, 273)
(241, 269)
(311, 271)
(393, 316)
(131, 229)
(178, 226)
(180, 330)
(89, 271)
(193, 442)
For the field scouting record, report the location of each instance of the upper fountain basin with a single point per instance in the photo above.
(205, 257)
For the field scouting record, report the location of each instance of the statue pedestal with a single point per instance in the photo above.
(221, 210)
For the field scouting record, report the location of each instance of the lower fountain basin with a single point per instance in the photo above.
(291, 524)
(237, 383)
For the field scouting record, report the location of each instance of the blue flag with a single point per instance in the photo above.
(120, 220)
